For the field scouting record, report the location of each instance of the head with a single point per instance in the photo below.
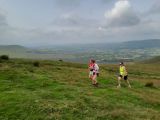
(90, 61)
(121, 64)
(93, 61)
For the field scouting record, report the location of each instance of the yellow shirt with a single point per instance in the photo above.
(122, 70)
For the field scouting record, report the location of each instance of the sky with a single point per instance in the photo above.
(59, 22)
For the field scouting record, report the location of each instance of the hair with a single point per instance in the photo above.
(121, 63)
(90, 60)
(93, 61)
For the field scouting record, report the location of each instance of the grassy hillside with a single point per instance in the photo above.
(59, 90)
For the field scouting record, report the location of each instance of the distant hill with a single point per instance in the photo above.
(132, 50)
(153, 60)
(141, 44)
(12, 48)
(138, 44)
(14, 51)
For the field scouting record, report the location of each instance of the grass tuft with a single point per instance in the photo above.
(149, 84)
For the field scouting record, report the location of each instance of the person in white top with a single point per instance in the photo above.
(95, 73)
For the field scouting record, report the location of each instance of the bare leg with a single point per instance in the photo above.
(94, 79)
(128, 83)
(119, 82)
(90, 76)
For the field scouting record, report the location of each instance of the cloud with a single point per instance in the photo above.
(4, 27)
(9, 34)
(68, 4)
(73, 20)
(70, 27)
(155, 9)
(107, 1)
(3, 20)
(67, 19)
(121, 15)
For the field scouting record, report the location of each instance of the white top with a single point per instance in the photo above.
(96, 68)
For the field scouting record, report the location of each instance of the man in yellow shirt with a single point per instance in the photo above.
(123, 74)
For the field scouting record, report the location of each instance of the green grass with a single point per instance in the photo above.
(62, 91)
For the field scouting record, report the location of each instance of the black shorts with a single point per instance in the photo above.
(96, 73)
(125, 77)
(91, 69)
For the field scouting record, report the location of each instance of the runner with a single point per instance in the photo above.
(95, 73)
(90, 69)
(123, 74)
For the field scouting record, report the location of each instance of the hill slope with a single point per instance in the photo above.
(59, 90)
(12, 48)
(153, 60)
(138, 44)
(134, 50)
(142, 44)
(14, 51)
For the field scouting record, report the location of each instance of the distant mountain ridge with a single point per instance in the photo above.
(14, 51)
(142, 44)
(132, 50)
(152, 60)
(138, 44)
(12, 47)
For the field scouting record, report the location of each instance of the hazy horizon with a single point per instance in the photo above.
(81, 44)
(71, 22)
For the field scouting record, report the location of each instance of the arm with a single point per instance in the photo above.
(125, 70)
(96, 67)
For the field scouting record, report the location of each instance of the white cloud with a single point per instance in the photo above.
(68, 2)
(3, 20)
(121, 15)
(70, 27)
(155, 9)
(74, 21)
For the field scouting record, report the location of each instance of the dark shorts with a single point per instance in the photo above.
(125, 77)
(96, 73)
(91, 69)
